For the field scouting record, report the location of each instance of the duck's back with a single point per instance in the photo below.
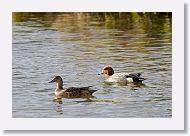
(77, 92)
(125, 77)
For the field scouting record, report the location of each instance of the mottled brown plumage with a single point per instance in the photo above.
(71, 92)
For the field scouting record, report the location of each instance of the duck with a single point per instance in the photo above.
(71, 92)
(108, 72)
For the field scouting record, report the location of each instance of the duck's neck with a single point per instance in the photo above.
(59, 85)
(107, 76)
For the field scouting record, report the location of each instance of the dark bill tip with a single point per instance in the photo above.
(51, 81)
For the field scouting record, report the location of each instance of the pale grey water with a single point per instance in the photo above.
(77, 50)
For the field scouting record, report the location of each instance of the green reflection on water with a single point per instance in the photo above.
(148, 22)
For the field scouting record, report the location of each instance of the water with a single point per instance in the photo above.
(77, 47)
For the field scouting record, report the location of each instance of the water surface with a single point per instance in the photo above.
(77, 46)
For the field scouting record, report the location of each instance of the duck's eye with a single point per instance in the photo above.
(105, 72)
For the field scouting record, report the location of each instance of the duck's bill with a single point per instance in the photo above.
(51, 81)
(100, 73)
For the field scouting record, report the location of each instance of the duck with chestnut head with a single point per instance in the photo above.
(111, 76)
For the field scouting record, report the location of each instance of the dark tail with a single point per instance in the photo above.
(136, 77)
(139, 79)
(92, 91)
(88, 88)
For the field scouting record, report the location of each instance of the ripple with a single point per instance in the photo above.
(77, 51)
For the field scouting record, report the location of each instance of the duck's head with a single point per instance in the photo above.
(107, 71)
(56, 79)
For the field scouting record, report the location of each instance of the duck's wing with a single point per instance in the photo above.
(80, 90)
(72, 92)
(71, 89)
(135, 74)
(136, 77)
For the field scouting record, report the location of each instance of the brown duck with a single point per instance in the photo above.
(71, 92)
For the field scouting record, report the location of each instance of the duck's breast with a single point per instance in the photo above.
(59, 93)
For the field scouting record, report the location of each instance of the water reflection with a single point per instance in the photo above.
(148, 23)
(131, 84)
(59, 108)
